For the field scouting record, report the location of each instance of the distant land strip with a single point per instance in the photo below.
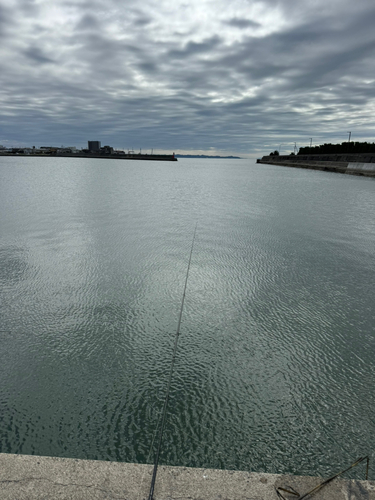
(114, 156)
(207, 156)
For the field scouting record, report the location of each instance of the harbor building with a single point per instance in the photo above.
(94, 146)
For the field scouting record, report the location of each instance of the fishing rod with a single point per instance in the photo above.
(292, 491)
(164, 411)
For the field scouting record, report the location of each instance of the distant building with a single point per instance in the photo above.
(107, 150)
(49, 149)
(93, 146)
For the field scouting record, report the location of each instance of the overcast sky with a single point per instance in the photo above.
(238, 77)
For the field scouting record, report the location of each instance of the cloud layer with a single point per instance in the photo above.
(197, 76)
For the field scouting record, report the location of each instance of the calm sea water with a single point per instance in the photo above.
(276, 360)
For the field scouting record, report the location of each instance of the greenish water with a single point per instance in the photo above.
(275, 365)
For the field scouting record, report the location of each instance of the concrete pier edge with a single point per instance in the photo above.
(342, 167)
(38, 478)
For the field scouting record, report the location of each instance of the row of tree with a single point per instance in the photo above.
(276, 153)
(344, 148)
(333, 149)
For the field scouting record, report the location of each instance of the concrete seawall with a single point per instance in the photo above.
(361, 169)
(37, 478)
(320, 162)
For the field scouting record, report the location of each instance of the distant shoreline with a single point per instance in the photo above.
(207, 156)
(138, 156)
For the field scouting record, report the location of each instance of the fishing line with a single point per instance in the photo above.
(164, 411)
(149, 455)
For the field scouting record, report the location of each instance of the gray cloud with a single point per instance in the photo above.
(28, 7)
(36, 55)
(142, 21)
(183, 77)
(88, 23)
(6, 21)
(242, 23)
(194, 48)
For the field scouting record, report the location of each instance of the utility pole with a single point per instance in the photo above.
(349, 135)
(310, 142)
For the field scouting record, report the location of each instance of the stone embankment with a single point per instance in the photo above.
(35, 478)
(358, 164)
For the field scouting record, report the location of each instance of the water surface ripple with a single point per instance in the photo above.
(275, 365)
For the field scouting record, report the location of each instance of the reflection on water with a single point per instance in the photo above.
(275, 365)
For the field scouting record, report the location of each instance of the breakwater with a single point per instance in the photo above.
(354, 164)
(114, 156)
